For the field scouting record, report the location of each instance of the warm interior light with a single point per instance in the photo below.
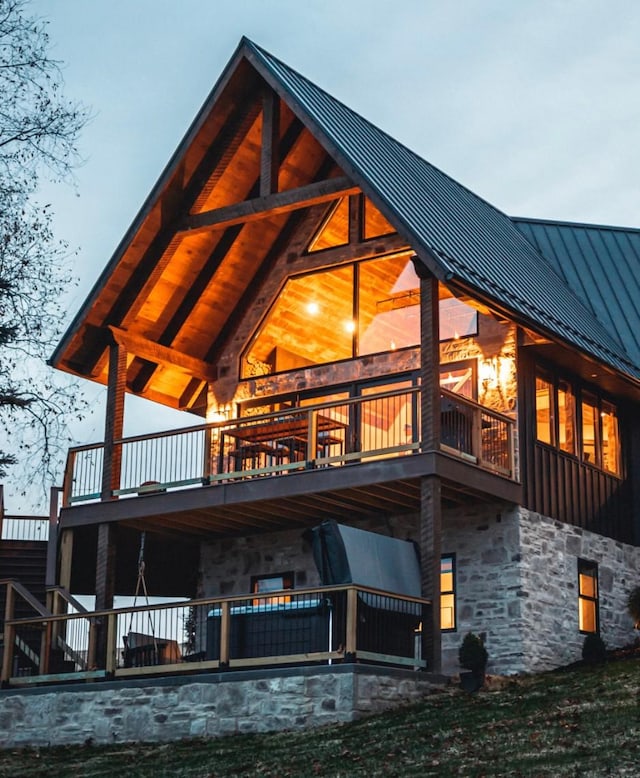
(350, 325)
(313, 309)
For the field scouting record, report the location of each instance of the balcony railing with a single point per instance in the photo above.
(331, 434)
(304, 626)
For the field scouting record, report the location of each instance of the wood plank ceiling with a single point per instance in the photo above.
(230, 198)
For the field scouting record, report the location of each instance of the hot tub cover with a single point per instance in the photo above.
(347, 555)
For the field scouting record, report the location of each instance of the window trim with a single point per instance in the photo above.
(453, 592)
(582, 394)
(588, 568)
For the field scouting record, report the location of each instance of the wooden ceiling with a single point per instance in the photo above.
(229, 200)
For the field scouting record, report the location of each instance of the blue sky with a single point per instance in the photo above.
(533, 104)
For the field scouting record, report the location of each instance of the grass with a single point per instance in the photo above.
(585, 722)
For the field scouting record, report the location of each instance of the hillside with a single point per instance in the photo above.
(580, 722)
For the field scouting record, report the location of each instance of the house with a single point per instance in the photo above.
(368, 343)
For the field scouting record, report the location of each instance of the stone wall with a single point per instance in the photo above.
(549, 570)
(161, 710)
(516, 580)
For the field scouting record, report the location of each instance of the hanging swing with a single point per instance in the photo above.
(141, 649)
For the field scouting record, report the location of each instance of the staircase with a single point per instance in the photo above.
(25, 561)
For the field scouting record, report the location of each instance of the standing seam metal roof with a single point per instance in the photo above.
(601, 265)
(469, 239)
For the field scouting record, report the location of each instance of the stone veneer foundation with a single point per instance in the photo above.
(212, 705)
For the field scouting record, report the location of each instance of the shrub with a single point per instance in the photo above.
(594, 651)
(633, 606)
(472, 654)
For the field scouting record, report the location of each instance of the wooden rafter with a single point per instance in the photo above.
(155, 352)
(269, 156)
(270, 205)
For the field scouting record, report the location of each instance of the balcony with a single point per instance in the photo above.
(326, 437)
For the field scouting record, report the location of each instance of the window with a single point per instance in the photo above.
(361, 308)
(587, 596)
(544, 410)
(610, 439)
(448, 593)
(271, 583)
(590, 442)
(578, 422)
(566, 418)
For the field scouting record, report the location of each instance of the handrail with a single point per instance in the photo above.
(79, 635)
(279, 442)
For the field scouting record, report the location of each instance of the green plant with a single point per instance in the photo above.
(633, 606)
(472, 654)
(594, 651)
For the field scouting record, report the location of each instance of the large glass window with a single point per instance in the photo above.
(362, 308)
(388, 305)
(587, 596)
(447, 593)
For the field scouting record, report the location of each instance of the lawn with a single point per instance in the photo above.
(582, 722)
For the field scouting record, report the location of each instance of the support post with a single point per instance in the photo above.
(105, 586)
(114, 421)
(225, 633)
(52, 542)
(352, 625)
(430, 487)
(9, 635)
(66, 557)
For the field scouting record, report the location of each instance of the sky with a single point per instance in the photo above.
(532, 104)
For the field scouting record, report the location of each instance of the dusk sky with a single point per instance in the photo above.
(532, 104)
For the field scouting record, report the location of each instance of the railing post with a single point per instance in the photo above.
(225, 633)
(352, 625)
(312, 433)
(45, 649)
(208, 455)
(91, 644)
(112, 638)
(9, 634)
(67, 482)
(476, 435)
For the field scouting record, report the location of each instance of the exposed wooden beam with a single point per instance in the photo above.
(269, 157)
(156, 257)
(270, 205)
(142, 380)
(159, 354)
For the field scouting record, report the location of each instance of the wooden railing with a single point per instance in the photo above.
(325, 435)
(304, 626)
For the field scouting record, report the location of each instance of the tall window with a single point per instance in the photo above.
(587, 596)
(544, 410)
(566, 417)
(590, 427)
(448, 593)
(610, 439)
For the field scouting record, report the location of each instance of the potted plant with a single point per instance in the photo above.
(633, 606)
(473, 656)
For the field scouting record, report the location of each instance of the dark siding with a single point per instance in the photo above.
(562, 487)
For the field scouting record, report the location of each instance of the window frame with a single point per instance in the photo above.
(582, 395)
(589, 568)
(450, 592)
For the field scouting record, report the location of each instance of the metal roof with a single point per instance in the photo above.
(459, 236)
(601, 265)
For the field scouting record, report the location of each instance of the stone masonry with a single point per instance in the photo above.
(161, 710)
